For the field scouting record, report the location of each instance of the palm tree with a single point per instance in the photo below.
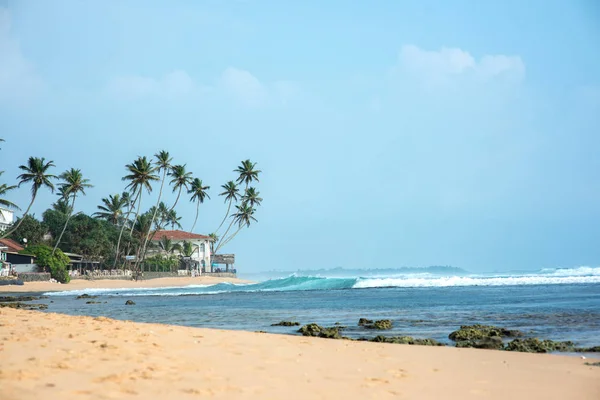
(198, 193)
(213, 239)
(168, 246)
(4, 188)
(231, 194)
(252, 197)
(181, 179)
(141, 175)
(74, 184)
(112, 210)
(172, 219)
(62, 206)
(247, 173)
(243, 217)
(163, 163)
(36, 173)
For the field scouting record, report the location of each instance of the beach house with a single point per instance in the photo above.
(200, 245)
(6, 218)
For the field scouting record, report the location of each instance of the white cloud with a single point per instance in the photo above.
(451, 64)
(244, 87)
(173, 85)
(18, 79)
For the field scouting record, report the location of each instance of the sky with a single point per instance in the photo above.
(388, 133)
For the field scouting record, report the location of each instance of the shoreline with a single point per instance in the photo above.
(84, 284)
(47, 355)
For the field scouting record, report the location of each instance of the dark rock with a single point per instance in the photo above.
(478, 332)
(406, 340)
(535, 345)
(24, 306)
(130, 303)
(383, 324)
(492, 342)
(93, 302)
(85, 296)
(286, 323)
(593, 364)
(319, 331)
(364, 321)
(5, 299)
(595, 349)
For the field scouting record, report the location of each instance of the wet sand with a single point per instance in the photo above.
(80, 284)
(53, 356)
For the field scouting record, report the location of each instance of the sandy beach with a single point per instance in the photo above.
(44, 355)
(80, 284)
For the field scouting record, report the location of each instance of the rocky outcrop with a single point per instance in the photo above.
(130, 303)
(535, 345)
(492, 343)
(6, 299)
(479, 332)
(85, 296)
(286, 323)
(382, 324)
(24, 306)
(319, 331)
(406, 340)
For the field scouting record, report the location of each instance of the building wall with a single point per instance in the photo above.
(6, 218)
(201, 251)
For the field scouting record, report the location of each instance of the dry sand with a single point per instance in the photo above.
(53, 356)
(80, 284)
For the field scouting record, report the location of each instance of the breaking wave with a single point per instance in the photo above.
(589, 275)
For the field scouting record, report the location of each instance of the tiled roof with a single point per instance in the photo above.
(178, 235)
(11, 244)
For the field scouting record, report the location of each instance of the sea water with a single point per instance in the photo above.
(562, 304)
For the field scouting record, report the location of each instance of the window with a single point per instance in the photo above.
(202, 248)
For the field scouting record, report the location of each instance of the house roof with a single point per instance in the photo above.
(13, 247)
(178, 235)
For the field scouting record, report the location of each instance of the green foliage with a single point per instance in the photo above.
(54, 220)
(31, 229)
(161, 263)
(57, 263)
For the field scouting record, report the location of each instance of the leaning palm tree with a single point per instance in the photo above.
(214, 238)
(243, 217)
(181, 179)
(247, 173)
(112, 209)
(252, 198)
(74, 184)
(163, 163)
(198, 192)
(36, 173)
(167, 245)
(231, 193)
(141, 175)
(173, 219)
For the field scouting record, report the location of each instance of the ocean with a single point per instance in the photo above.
(557, 304)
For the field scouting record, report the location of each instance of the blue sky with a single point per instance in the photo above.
(389, 133)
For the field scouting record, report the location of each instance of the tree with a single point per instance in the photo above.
(231, 193)
(198, 192)
(57, 263)
(181, 179)
(141, 175)
(163, 164)
(252, 197)
(243, 217)
(74, 184)
(112, 208)
(167, 245)
(172, 219)
(4, 188)
(36, 173)
(31, 229)
(247, 173)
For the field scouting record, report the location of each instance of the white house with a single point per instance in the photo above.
(200, 244)
(6, 218)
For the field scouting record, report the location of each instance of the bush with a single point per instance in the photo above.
(57, 263)
(161, 263)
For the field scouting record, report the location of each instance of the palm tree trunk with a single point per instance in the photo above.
(196, 219)
(162, 183)
(229, 238)
(137, 211)
(65, 227)
(225, 217)
(177, 199)
(224, 235)
(121, 233)
(6, 234)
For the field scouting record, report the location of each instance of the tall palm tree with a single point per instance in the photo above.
(181, 179)
(74, 184)
(163, 164)
(112, 208)
(247, 172)
(214, 238)
(62, 206)
(36, 173)
(243, 217)
(231, 193)
(252, 198)
(198, 192)
(173, 220)
(168, 246)
(141, 175)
